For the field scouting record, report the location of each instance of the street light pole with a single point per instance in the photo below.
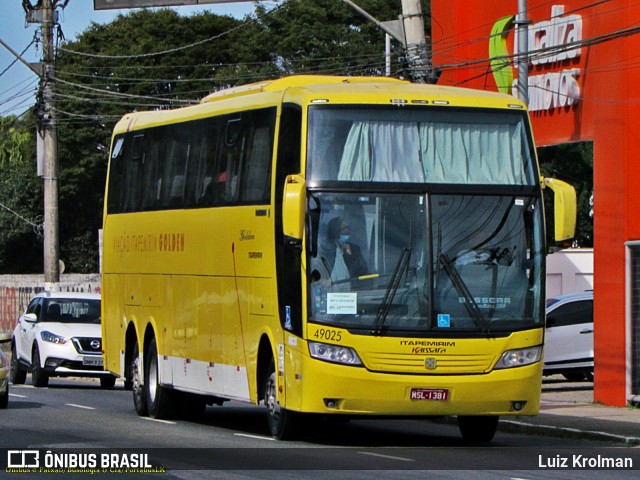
(522, 25)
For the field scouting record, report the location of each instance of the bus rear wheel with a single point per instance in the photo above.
(137, 386)
(160, 400)
(282, 423)
(478, 428)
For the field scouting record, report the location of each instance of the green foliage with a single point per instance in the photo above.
(20, 197)
(155, 59)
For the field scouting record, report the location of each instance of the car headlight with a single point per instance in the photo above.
(53, 338)
(519, 357)
(334, 353)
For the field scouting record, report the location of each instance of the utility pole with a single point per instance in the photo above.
(418, 54)
(409, 31)
(47, 123)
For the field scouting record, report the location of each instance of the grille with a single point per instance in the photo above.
(88, 345)
(415, 364)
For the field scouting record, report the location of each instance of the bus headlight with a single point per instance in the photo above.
(520, 357)
(334, 353)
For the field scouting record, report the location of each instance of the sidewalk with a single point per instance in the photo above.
(567, 410)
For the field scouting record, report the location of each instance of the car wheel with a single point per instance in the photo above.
(107, 382)
(4, 399)
(137, 387)
(39, 377)
(17, 373)
(160, 400)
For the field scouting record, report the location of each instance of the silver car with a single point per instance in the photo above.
(568, 343)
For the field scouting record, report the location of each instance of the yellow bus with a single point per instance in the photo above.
(329, 246)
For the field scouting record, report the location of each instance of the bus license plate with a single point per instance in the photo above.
(92, 361)
(438, 394)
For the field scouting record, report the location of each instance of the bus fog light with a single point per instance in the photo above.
(518, 405)
(331, 403)
(520, 357)
(334, 353)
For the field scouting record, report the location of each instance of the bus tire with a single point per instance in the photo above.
(282, 423)
(137, 383)
(160, 400)
(476, 428)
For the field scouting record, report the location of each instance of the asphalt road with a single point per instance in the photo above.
(75, 417)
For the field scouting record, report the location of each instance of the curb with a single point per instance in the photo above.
(566, 432)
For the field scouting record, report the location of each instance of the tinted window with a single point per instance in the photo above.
(224, 160)
(71, 310)
(572, 313)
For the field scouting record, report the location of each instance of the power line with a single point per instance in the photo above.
(37, 228)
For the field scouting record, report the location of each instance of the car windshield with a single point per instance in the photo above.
(71, 310)
(416, 262)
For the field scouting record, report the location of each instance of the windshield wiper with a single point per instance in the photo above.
(392, 288)
(469, 302)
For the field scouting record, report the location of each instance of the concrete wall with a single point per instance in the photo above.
(569, 271)
(17, 290)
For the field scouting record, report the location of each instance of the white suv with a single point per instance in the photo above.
(59, 335)
(568, 343)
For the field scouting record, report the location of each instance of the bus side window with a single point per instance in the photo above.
(116, 175)
(256, 175)
(133, 172)
(230, 159)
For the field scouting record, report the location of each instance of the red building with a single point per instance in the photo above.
(584, 85)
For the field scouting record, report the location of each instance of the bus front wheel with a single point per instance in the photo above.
(478, 428)
(282, 422)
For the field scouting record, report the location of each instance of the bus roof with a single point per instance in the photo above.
(307, 89)
(327, 83)
(294, 81)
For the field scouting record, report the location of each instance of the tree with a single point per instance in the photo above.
(148, 60)
(20, 198)
(111, 69)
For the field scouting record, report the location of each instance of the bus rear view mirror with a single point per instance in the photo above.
(293, 207)
(564, 208)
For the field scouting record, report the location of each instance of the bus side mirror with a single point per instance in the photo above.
(564, 208)
(293, 206)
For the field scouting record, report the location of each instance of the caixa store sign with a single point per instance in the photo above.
(553, 44)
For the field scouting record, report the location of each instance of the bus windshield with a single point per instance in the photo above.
(414, 262)
(415, 144)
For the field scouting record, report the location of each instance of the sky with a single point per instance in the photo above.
(18, 84)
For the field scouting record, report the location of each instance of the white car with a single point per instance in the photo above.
(568, 343)
(4, 377)
(60, 335)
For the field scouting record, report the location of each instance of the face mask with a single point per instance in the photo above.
(343, 239)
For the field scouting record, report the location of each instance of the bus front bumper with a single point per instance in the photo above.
(322, 387)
